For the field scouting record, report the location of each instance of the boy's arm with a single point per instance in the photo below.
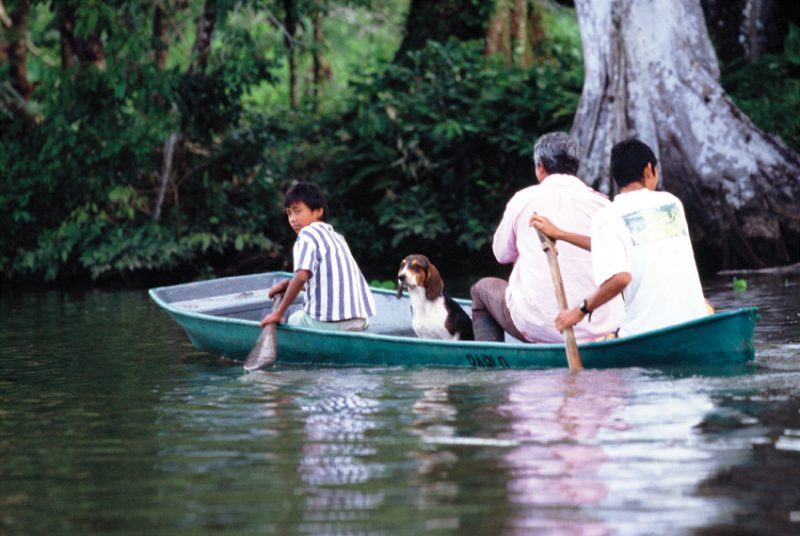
(604, 293)
(293, 288)
(279, 287)
(556, 233)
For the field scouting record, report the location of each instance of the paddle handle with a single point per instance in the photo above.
(573, 355)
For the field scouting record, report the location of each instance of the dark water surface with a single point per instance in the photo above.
(111, 423)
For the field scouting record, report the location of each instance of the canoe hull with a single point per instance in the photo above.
(725, 337)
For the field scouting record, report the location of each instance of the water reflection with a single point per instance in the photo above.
(112, 423)
(334, 463)
(558, 419)
(574, 452)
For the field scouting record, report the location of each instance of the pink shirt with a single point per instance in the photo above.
(531, 299)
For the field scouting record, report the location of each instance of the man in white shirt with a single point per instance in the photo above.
(525, 305)
(640, 249)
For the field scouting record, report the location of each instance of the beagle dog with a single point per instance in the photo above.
(434, 315)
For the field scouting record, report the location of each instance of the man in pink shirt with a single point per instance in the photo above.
(525, 305)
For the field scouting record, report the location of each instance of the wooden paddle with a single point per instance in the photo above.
(265, 351)
(573, 356)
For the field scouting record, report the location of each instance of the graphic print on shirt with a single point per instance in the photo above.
(655, 224)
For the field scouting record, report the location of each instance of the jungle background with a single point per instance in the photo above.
(151, 141)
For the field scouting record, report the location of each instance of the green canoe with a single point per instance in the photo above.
(221, 316)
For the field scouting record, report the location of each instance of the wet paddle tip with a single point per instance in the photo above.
(265, 351)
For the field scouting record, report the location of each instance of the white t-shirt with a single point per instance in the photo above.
(645, 234)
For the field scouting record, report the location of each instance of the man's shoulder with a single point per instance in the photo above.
(524, 193)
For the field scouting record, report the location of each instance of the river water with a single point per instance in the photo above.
(111, 423)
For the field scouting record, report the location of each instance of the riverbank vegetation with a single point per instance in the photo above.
(144, 141)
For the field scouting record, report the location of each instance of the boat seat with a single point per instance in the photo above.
(248, 305)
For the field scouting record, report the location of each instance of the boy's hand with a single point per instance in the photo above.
(278, 288)
(272, 318)
(544, 225)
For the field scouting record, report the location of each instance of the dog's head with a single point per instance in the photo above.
(417, 271)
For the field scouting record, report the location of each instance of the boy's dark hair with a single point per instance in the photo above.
(628, 160)
(308, 193)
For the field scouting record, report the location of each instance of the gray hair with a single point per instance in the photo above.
(558, 152)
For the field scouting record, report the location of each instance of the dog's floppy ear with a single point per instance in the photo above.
(434, 284)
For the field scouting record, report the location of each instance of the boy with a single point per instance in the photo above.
(640, 248)
(338, 297)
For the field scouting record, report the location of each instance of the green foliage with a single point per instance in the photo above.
(390, 285)
(79, 188)
(768, 90)
(433, 147)
(417, 153)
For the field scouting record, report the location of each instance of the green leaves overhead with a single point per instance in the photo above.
(438, 142)
(79, 187)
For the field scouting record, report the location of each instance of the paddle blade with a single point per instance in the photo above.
(265, 350)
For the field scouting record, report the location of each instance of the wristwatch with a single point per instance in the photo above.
(584, 308)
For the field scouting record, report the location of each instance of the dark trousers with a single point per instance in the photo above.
(489, 304)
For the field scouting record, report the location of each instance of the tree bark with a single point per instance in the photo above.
(17, 50)
(160, 41)
(74, 50)
(514, 31)
(441, 19)
(5, 20)
(660, 83)
(202, 39)
(318, 61)
(749, 28)
(519, 33)
(497, 37)
(66, 27)
(290, 29)
(174, 149)
(5, 26)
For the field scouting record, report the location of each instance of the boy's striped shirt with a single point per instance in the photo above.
(336, 289)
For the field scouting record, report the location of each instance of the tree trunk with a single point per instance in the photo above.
(497, 37)
(202, 39)
(766, 23)
(5, 25)
(514, 31)
(74, 50)
(749, 28)
(17, 50)
(441, 19)
(290, 29)
(519, 33)
(174, 149)
(659, 82)
(160, 41)
(318, 61)
(5, 20)
(66, 27)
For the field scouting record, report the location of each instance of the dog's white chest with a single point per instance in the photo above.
(428, 317)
